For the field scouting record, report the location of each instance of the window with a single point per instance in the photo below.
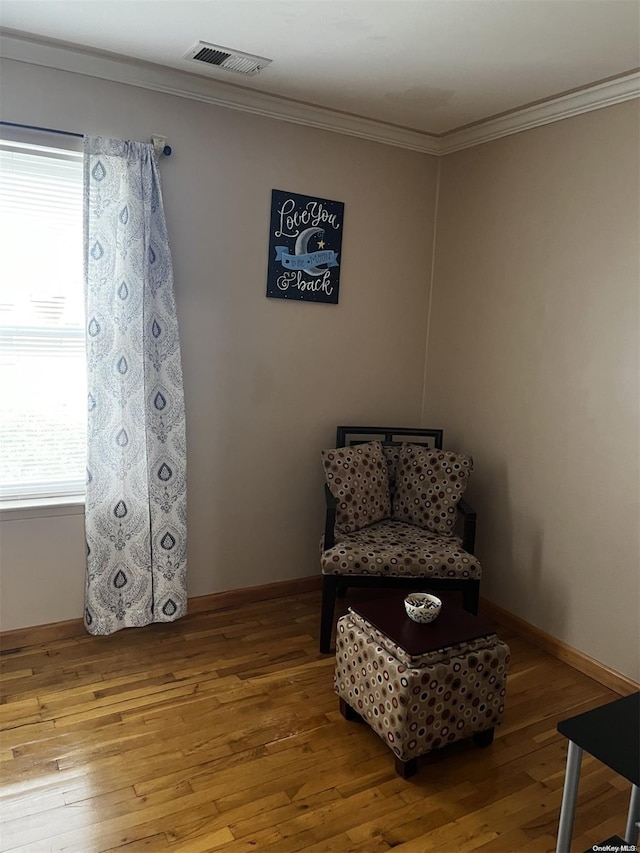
(42, 349)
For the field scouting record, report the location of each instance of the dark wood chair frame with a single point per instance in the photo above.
(334, 586)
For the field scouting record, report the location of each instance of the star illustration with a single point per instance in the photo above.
(321, 244)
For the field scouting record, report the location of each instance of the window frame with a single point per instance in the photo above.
(67, 497)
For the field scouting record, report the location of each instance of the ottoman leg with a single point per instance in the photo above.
(484, 738)
(347, 711)
(406, 768)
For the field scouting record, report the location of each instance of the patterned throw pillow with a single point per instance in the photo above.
(429, 484)
(358, 479)
(392, 455)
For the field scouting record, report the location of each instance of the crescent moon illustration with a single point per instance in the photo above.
(301, 247)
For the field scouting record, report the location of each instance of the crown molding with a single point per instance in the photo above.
(146, 75)
(594, 97)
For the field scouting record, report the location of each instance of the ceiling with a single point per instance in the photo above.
(429, 65)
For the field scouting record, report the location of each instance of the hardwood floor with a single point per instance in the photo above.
(222, 732)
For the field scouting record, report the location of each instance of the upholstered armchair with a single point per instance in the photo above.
(395, 517)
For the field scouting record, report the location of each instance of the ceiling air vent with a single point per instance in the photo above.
(224, 57)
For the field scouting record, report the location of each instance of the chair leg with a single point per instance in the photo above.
(471, 596)
(329, 589)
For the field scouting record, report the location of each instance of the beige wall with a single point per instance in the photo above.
(532, 351)
(266, 381)
(533, 367)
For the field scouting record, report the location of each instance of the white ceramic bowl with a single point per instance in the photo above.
(422, 606)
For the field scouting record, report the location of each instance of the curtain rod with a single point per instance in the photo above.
(166, 150)
(43, 129)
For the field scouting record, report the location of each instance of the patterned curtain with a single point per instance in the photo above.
(136, 470)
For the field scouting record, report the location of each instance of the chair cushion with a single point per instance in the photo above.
(394, 549)
(429, 484)
(358, 479)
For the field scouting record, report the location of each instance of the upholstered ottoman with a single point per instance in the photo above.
(420, 687)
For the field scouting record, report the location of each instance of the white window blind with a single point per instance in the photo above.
(42, 347)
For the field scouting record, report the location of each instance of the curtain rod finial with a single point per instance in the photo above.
(160, 145)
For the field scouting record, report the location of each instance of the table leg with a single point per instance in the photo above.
(631, 832)
(569, 797)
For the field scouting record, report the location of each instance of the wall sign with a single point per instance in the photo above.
(305, 241)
